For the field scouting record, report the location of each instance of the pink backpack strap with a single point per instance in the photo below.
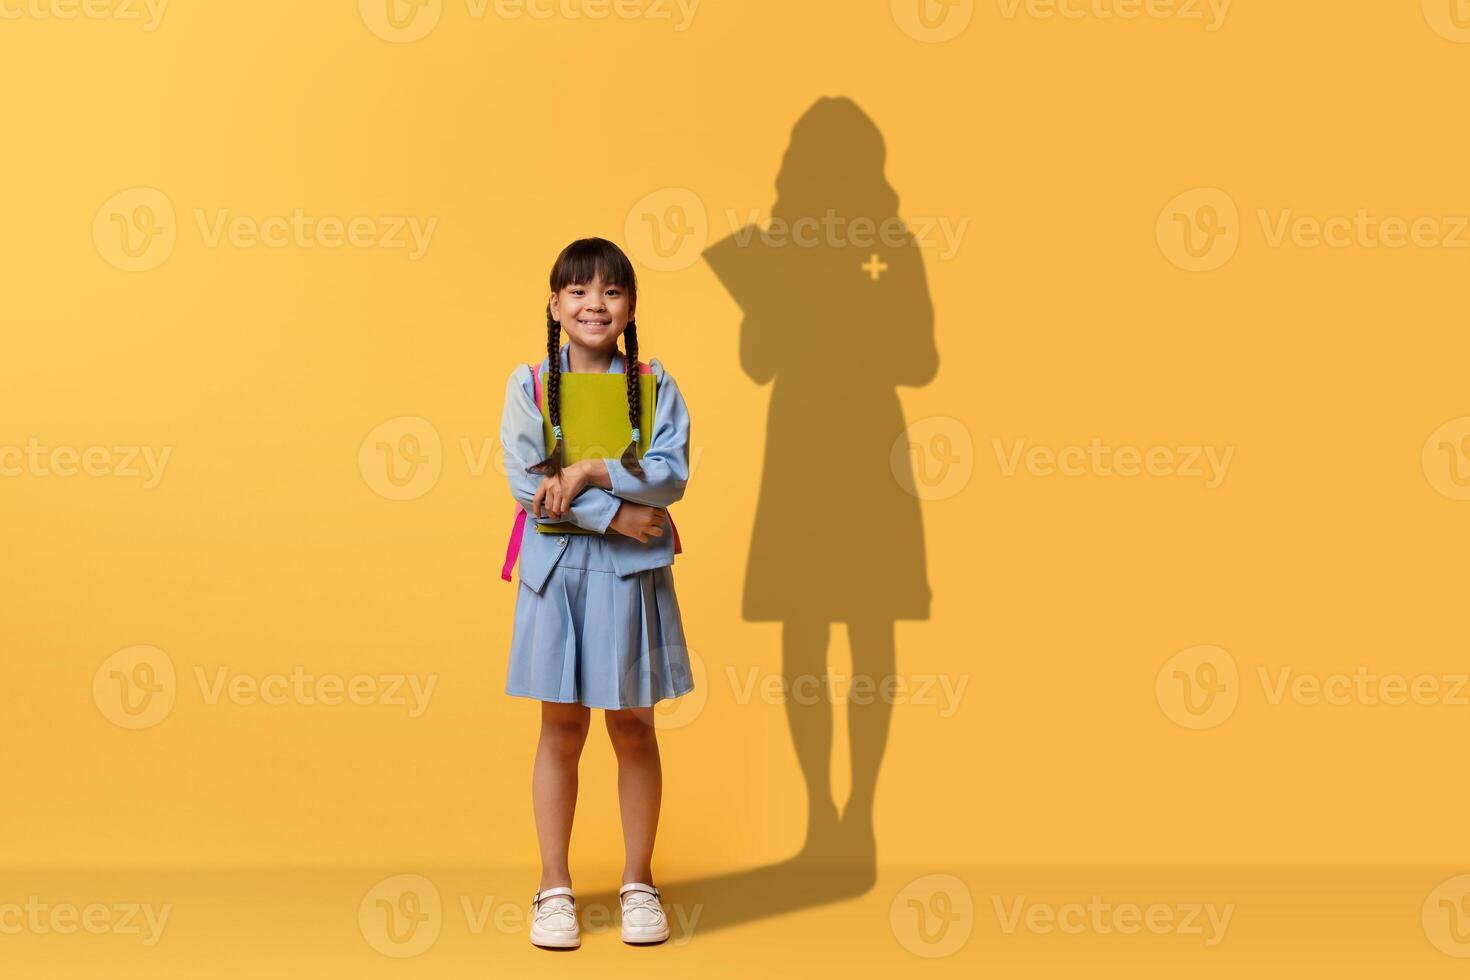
(513, 546)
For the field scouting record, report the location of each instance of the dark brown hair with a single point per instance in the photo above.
(580, 263)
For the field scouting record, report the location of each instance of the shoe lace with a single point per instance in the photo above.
(635, 901)
(554, 906)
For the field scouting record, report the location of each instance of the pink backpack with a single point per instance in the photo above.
(513, 547)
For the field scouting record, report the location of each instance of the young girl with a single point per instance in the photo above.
(597, 624)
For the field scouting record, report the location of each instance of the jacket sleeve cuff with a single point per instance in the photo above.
(624, 484)
(594, 509)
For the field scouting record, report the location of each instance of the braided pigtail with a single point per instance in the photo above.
(552, 464)
(630, 371)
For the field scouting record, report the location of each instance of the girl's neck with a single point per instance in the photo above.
(589, 360)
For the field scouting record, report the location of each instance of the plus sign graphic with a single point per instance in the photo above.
(874, 267)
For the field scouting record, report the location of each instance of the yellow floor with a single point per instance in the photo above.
(996, 921)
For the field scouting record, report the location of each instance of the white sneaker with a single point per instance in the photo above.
(554, 919)
(644, 920)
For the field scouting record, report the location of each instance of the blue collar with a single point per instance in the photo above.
(614, 367)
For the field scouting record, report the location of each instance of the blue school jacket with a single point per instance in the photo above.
(665, 473)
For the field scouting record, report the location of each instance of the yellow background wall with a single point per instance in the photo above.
(1332, 542)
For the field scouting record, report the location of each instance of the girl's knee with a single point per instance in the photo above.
(631, 727)
(564, 726)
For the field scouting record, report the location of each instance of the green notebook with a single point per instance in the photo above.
(594, 423)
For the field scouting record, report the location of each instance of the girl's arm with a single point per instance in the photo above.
(665, 464)
(523, 440)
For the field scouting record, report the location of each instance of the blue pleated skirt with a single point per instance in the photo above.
(596, 638)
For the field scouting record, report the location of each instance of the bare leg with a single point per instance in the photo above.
(640, 787)
(554, 786)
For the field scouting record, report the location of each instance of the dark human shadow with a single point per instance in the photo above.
(837, 315)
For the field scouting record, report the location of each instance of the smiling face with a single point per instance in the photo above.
(594, 314)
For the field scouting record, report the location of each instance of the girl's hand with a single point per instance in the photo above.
(639, 521)
(556, 493)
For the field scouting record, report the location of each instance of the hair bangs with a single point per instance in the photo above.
(587, 259)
